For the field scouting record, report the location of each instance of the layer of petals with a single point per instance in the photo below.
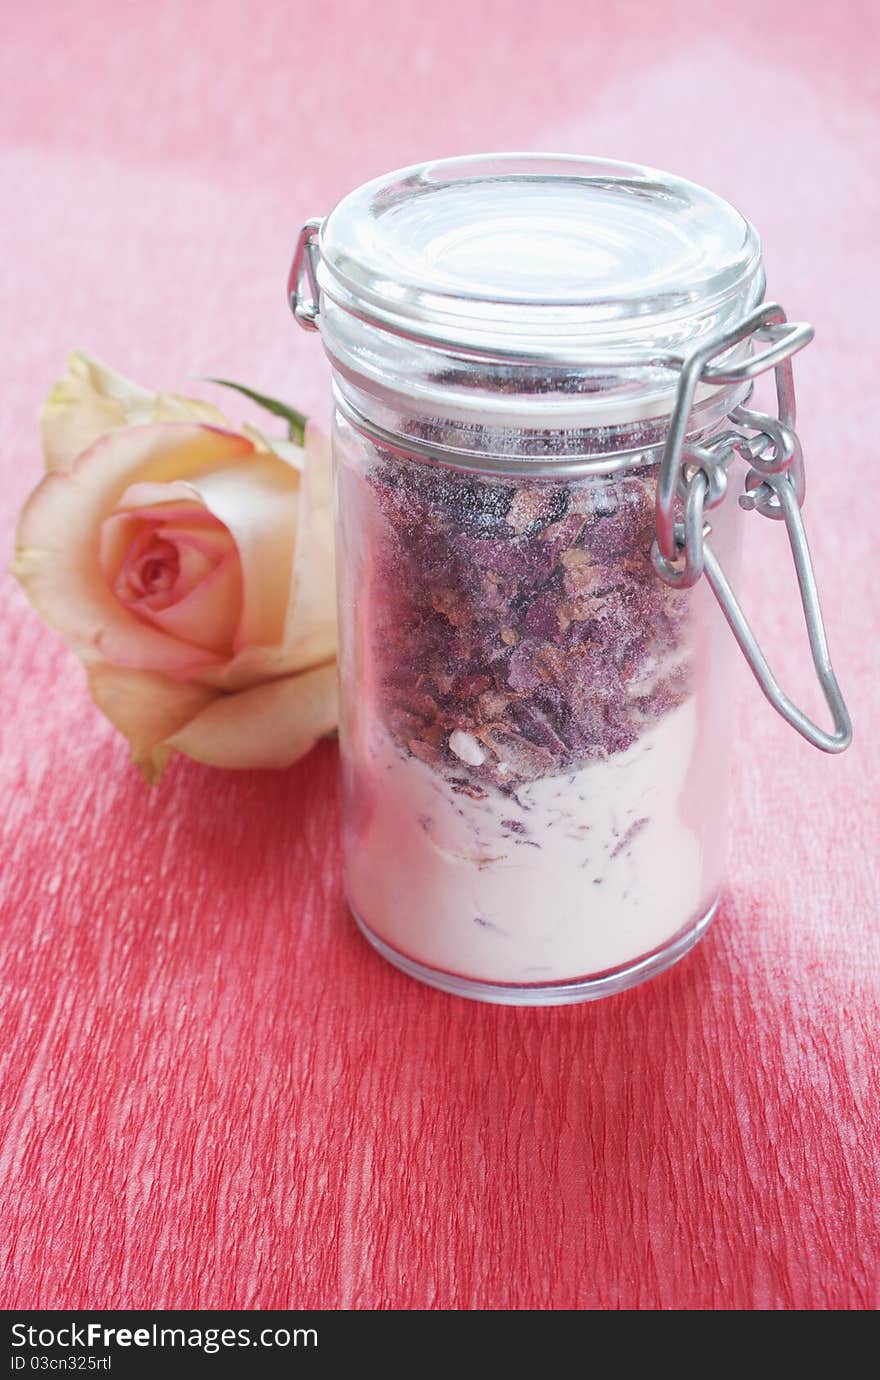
(147, 708)
(258, 502)
(310, 625)
(191, 522)
(270, 725)
(208, 615)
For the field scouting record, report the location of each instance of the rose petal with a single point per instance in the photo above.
(147, 708)
(58, 538)
(288, 451)
(121, 530)
(310, 630)
(172, 502)
(208, 615)
(84, 404)
(269, 725)
(258, 503)
(198, 552)
(197, 558)
(118, 535)
(248, 667)
(91, 398)
(172, 407)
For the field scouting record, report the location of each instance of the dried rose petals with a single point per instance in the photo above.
(521, 630)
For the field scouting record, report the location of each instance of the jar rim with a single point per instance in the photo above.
(542, 258)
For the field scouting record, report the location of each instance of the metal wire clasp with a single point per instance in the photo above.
(304, 266)
(774, 487)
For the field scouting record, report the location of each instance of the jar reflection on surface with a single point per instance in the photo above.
(534, 725)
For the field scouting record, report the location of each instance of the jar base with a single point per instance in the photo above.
(591, 988)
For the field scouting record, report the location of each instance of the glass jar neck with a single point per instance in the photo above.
(489, 417)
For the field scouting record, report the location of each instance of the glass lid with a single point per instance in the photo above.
(540, 253)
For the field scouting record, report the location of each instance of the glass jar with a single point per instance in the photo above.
(541, 367)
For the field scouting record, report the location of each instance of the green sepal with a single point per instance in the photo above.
(296, 421)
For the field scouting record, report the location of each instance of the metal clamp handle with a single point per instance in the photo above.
(304, 266)
(785, 338)
(742, 631)
(774, 488)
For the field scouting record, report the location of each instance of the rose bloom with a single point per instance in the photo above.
(189, 563)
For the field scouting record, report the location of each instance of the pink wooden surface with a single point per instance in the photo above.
(211, 1092)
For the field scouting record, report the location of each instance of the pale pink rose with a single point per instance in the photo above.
(189, 563)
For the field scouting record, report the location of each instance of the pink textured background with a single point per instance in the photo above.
(211, 1092)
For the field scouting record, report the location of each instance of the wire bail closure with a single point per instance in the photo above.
(304, 268)
(774, 487)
